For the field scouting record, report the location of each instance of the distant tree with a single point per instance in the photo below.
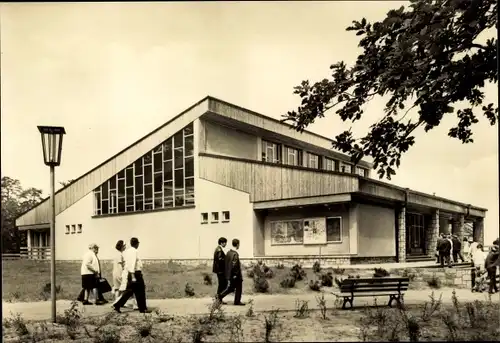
(65, 183)
(15, 200)
(428, 57)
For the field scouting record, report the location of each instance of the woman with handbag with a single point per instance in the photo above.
(90, 271)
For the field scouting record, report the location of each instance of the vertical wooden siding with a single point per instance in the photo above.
(266, 182)
(86, 184)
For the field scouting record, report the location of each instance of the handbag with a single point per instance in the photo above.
(103, 285)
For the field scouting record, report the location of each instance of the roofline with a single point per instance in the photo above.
(118, 153)
(277, 121)
(403, 189)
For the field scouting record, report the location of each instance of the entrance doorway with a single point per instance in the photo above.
(415, 234)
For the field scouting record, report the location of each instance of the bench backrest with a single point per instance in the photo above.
(388, 284)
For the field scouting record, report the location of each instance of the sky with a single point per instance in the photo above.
(112, 72)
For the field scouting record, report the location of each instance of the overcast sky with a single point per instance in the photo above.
(112, 72)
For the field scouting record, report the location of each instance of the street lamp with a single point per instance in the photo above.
(52, 138)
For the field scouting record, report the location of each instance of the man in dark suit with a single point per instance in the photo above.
(491, 263)
(444, 249)
(219, 266)
(234, 275)
(457, 249)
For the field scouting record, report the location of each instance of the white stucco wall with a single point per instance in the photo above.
(377, 231)
(171, 234)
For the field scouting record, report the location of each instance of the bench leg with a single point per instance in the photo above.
(398, 298)
(347, 300)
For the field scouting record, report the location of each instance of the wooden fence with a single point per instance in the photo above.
(33, 253)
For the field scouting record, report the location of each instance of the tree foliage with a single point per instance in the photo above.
(428, 57)
(15, 201)
(66, 183)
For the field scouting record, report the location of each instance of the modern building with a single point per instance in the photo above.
(218, 169)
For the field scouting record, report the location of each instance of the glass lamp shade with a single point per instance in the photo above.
(52, 138)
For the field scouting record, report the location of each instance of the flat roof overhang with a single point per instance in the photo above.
(307, 201)
(34, 227)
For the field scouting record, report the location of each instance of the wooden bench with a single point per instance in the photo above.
(394, 287)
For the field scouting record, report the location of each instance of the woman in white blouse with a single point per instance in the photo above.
(120, 274)
(90, 271)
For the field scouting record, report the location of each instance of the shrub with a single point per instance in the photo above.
(108, 334)
(280, 266)
(301, 309)
(17, 323)
(48, 286)
(71, 319)
(433, 282)
(314, 285)
(381, 272)
(288, 282)
(189, 290)
(207, 279)
(272, 325)
(265, 268)
(327, 279)
(298, 273)
(322, 305)
(409, 273)
(250, 272)
(250, 312)
(144, 327)
(162, 317)
(260, 284)
(269, 274)
(316, 267)
(236, 329)
(338, 271)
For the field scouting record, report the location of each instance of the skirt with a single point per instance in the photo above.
(89, 281)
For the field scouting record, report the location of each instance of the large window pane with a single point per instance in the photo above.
(167, 171)
(97, 201)
(130, 196)
(121, 205)
(139, 203)
(189, 167)
(179, 197)
(105, 207)
(148, 159)
(188, 146)
(148, 192)
(188, 130)
(178, 158)
(178, 139)
(148, 174)
(334, 229)
(157, 160)
(121, 187)
(139, 185)
(121, 175)
(104, 191)
(138, 167)
(168, 191)
(112, 183)
(130, 176)
(158, 182)
(167, 150)
(158, 200)
(189, 191)
(179, 179)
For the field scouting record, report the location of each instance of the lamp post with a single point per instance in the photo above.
(52, 138)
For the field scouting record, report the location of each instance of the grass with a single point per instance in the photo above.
(429, 321)
(25, 280)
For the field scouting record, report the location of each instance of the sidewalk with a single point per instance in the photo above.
(261, 303)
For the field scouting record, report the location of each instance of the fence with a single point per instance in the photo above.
(33, 253)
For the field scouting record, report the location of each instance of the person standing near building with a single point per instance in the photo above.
(491, 263)
(457, 249)
(234, 275)
(135, 280)
(219, 265)
(466, 249)
(444, 249)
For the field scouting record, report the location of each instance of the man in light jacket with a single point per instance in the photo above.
(90, 271)
(135, 280)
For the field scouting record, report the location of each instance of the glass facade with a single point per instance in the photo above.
(162, 178)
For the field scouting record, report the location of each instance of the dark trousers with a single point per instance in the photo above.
(236, 286)
(473, 276)
(221, 283)
(138, 289)
(444, 258)
(492, 275)
(456, 255)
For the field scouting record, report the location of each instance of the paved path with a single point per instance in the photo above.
(262, 303)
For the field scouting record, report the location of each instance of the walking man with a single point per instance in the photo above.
(444, 248)
(457, 249)
(135, 280)
(219, 266)
(491, 263)
(234, 276)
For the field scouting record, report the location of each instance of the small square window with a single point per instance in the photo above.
(79, 228)
(215, 217)
(73, 229)
(226, 216)
(204, 218)
(67, 229)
